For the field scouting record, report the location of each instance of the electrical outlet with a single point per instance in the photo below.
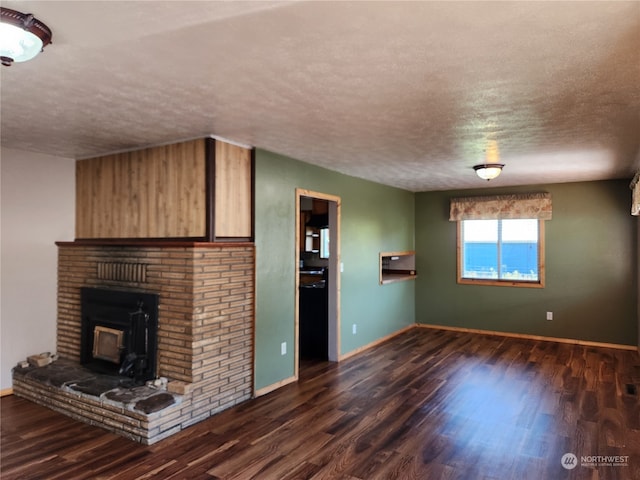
(283, 348)
(354, 329)
(549, 315)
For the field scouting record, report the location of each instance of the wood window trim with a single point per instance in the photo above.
(502, 283)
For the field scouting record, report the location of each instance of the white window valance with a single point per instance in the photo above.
(524, 205)
(635, 195)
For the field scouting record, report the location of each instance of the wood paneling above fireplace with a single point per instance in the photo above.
(233, 191)
(199, 190)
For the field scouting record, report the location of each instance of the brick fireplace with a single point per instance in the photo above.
(204, 333)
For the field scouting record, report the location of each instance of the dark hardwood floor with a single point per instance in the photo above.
(428, 404)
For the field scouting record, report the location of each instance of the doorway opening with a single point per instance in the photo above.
(317, 303)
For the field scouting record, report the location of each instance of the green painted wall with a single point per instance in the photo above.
(374, 218)
(591, 258)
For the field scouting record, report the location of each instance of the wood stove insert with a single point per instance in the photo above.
(119, 332)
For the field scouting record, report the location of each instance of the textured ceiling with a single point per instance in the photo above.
(407, 94)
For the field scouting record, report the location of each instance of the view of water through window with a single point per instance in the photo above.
(500, 249)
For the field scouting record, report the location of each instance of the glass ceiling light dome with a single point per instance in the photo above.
(488, 171)
(22, 36)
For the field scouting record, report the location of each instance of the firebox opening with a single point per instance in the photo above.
(119, 332)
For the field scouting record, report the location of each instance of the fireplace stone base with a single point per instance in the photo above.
(141, 413)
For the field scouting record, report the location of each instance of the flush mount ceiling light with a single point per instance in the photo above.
(488, 171)
(22, 36)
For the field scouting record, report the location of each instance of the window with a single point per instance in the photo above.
(501, 252)
(324, 243)
(501, 238)
(635, 196)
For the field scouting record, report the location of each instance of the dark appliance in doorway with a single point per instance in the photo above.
(313, 319)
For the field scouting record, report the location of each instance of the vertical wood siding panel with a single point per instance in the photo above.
(233, 191)
(153, 193)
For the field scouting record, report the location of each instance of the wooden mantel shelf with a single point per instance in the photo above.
(160, 243)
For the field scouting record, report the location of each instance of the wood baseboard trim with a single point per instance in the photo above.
(531, 337)
(294, 378)
(376, 342)
(275, 386)
(6, 391)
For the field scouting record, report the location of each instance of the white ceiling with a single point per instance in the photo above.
(403, 93)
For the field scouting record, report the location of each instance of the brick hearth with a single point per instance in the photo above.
(205, 327)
